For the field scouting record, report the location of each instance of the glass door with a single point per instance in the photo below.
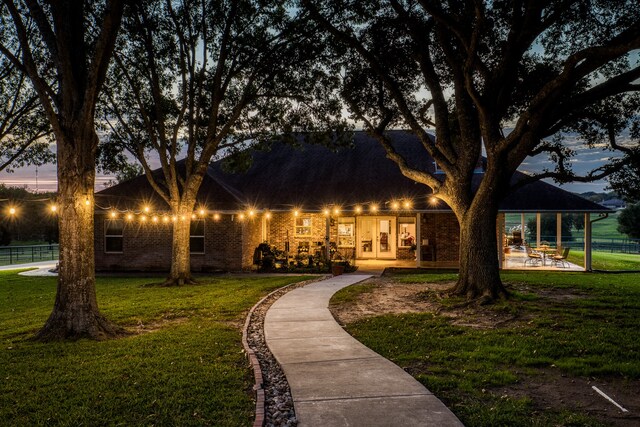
(376, 237)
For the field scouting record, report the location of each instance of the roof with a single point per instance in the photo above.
(311, 176)
(137, 192)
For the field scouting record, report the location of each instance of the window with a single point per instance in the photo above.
(346, 232)
(113, 235)
(407, 232)
(303, 227)
(196, 237)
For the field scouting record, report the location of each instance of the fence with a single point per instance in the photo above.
(24, 254)
(602, 244)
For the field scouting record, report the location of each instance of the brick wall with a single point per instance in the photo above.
(147, 246)
(443, 232)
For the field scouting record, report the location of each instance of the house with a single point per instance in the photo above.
(303, 200)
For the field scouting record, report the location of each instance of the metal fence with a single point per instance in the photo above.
(24, 254)
(602, 244)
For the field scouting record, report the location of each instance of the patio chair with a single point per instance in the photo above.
(561, 258)
(517, 239)
(534, 258)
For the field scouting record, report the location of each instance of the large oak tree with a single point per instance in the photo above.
(65, 49)
(195, 79)
(471, 69)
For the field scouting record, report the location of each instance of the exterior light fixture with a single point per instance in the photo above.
(373, 208)
(202, 212)
(87, 201)
(129, 217)
(174, 218)
(216, 216)
(395, 206)
(336, 211)
(183, 218)
(433, 200)
(296, 213)
(241, 216)
(165, 219)
(193, 216)
(267, 215)
(358, 209)
(155, 218)
(113, 214)
(146, 209)
(12, 211)
(143, 218)
(252, 212)
(53, 208)
(326, 212)
(407, 204)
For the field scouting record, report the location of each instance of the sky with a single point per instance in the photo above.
(45, 177)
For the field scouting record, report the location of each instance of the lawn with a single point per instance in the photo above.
(521, 362)
(611, 261)
(183, 364)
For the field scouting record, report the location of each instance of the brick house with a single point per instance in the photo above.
(299, 199)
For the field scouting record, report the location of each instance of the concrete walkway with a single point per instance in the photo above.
(335, 380)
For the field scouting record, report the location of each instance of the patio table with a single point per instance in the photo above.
(544, 249)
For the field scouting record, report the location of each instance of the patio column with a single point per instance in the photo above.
(418, 239)
(522, 228)
(558, 230)
(538, 231)
(587, 242)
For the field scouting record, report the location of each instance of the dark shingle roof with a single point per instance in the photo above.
(312, 176)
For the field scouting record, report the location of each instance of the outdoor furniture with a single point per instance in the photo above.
(534, 258)
(561, 258)
(546, 252)
(517, 239)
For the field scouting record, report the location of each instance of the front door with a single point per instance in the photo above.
(376, 237)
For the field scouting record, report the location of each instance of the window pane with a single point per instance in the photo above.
(196, 245)
(114, 227)
(197, 228)
(113, 244)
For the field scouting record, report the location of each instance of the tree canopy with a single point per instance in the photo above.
(193, 79)
(629, 221)
(472, 69)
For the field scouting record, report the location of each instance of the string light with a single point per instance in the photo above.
(252, 212)
(407, 204)
(326, 212)
(143, 218)
(53, 208)
(193, 216)
(129, 217)
(202, 212)
(216, 217)
(241, 216)
(87, 201)
(267, 215)
(373, 208)
(12, 211)
(146, 209)
(165, 219)
(113, 214)
(155, 219)
(174, 218)
(358, 209)
(395, 205)
(296, 213)
(336, 211)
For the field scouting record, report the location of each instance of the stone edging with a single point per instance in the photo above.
(258, 387)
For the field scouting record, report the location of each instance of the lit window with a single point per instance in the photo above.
(406, 232)
(303, 226)
(346, 232)
(113, 230)
(196, 238)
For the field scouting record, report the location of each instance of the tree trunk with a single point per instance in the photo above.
(75, 312)
(180, 273)
(479, 275)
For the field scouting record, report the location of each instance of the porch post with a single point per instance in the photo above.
(587, 242)
(538, 231)
(501, 255)
(327, 237)
(522, 234)
(418, 239)
(558, 230)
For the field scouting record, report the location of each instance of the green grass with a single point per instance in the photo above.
(187, 369)
(593, 334)
(607, 260)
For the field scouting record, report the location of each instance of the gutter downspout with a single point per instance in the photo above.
(587, 238)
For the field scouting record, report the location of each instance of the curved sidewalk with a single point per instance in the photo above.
(335, 380)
